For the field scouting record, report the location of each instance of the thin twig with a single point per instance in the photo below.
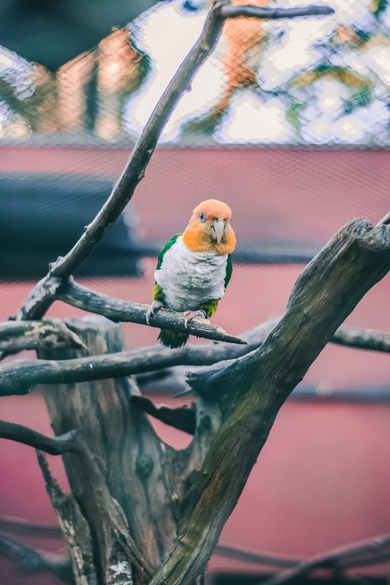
(230, 11)
(257, 558)
(345, 557)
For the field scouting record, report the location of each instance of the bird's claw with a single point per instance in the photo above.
(190, 315)
(155, 306)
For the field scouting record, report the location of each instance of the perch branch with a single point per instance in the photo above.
(19, 335)
(39, 300)
(368, 552)
(32, 561)
(22, 375)
(117, 310)
(251, 390)
(126, 311)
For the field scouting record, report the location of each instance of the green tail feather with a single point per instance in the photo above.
(172, 339)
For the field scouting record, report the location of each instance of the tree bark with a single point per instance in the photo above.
(131, 487)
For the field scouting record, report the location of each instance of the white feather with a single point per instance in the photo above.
(191, 278)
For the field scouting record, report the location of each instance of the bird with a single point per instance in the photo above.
(194, 268)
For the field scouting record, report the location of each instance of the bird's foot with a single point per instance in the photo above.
(190, 315)
(155, 306)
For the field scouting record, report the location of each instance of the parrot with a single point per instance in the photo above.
(194, 268)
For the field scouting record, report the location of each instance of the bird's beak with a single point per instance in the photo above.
(217, 230)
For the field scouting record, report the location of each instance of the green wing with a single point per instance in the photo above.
(165, 249)
(229, 270)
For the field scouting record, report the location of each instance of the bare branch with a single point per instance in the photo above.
(258, 558)
(32, 561)
(367, 552)
(230, 11)
(123, 311)
(362, 339)
(39, 299)
(182, 418)
(22, 375)
(118, 310)
(54, 446)
(19, 335)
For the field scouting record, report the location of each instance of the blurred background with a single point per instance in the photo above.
(289, 123)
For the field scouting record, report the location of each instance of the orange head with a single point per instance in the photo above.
(209, 229)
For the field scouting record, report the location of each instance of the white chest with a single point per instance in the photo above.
(190, 278)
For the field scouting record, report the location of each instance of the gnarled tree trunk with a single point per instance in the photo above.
(131, 498)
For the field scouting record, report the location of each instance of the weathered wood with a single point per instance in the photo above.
(74, 528)
(145, 478)
(251, 389)
(22, 375)
(19, 335)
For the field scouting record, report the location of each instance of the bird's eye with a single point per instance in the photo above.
(202, 217)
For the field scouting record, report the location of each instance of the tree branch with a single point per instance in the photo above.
(258, 558)
(39, 300)
(230, 11)
(367, 552)
(32, 561)
(22, 375)
(251, 390)
(118, 310)
(67, 443)
(19, 335)
(362, 339)
(182, 418)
